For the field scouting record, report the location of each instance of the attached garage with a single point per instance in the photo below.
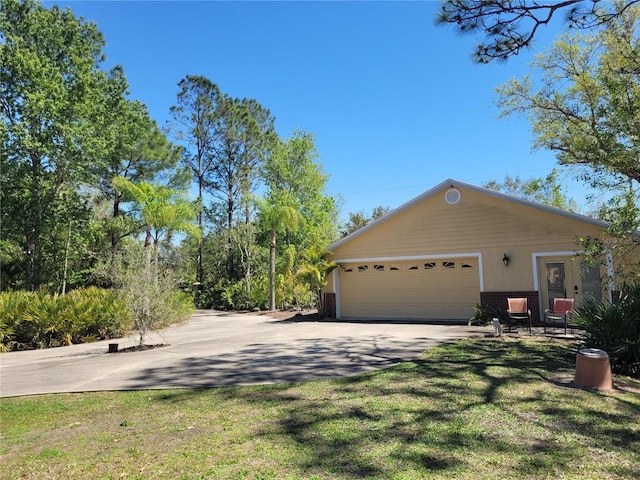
(455, 246)
(419, 288)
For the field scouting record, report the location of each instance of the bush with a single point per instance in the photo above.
(484, 314)
(149, 291)
(614, 328)
(40, 320)
(12, 307)
(109, 315)
(176, 308)
(228, 295)
(208, 295)
(235, 295)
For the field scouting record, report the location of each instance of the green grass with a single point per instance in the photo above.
(489, 408)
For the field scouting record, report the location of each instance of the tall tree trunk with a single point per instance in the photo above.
(66, 261)
(272, 270)
(148, 280)
(230, 207)
(200, 269)
(31, 270)
(249, 249)
(115, 234)
(34, 226)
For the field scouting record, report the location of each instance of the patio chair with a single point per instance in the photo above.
(562, 310)
(518, 310)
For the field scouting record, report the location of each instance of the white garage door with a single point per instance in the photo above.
(431, 289)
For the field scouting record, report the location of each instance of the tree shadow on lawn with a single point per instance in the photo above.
(443, 414)
(446, 413)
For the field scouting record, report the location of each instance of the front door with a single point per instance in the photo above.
(566, 277)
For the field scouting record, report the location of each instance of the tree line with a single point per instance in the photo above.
(88, 176)
(91, 183)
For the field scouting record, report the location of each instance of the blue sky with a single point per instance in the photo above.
(396, 104)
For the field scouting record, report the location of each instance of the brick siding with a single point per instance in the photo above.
(330, 304)
(499, 300)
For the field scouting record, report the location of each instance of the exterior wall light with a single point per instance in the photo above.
(505, 260)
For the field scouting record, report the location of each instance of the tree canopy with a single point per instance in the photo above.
(296, 206)
(547, 190)
(584, 104)
(510, 26)
(49, 84)
(357, 220)
(93, 190)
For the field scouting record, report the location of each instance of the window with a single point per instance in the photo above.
(348, 269)
(395, 269)
(429, 265)
(378, 268)
(449, 264)
(414, 267)
(363, 268)
(466, 265)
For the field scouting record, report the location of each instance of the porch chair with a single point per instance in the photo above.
(562, 310)
(518, 310)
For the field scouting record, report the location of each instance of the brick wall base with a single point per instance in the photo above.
(499, 300)
(330, 304)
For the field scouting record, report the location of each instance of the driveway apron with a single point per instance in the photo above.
(215, 349)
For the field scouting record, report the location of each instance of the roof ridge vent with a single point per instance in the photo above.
(452, 196)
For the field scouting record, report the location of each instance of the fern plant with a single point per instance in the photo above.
(12, 307)
(615, 328)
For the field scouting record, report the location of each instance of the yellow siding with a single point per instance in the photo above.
(479, 223)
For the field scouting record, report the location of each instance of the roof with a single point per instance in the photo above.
(450, 183)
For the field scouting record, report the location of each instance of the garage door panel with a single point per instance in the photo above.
(439, 289)
(414, 295)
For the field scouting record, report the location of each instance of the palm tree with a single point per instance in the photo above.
(162, 211)
(314, 271)
(277, 214)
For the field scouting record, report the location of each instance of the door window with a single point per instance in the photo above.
(556, 281)
(591, 283)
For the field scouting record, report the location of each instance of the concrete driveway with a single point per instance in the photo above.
(220, 349)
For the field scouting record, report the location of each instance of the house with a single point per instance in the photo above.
(458, 245)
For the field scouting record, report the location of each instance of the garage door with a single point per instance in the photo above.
(433, 289)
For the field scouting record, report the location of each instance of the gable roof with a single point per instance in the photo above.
(450, 183)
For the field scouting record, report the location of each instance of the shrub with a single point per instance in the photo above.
(614, 328)
(235, 295)
(176, 308)
(484, 314)
(150, 293)
(40, 320)
(12, 307)
(227, 295)
(109, 316)
(50, 324)
(209, 295)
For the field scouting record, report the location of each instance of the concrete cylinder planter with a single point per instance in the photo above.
(593, 369)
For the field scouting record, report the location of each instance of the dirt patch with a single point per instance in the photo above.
(140, 348)
(307, 315)
(627, 384)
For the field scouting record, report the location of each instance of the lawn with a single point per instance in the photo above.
(482, 408)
